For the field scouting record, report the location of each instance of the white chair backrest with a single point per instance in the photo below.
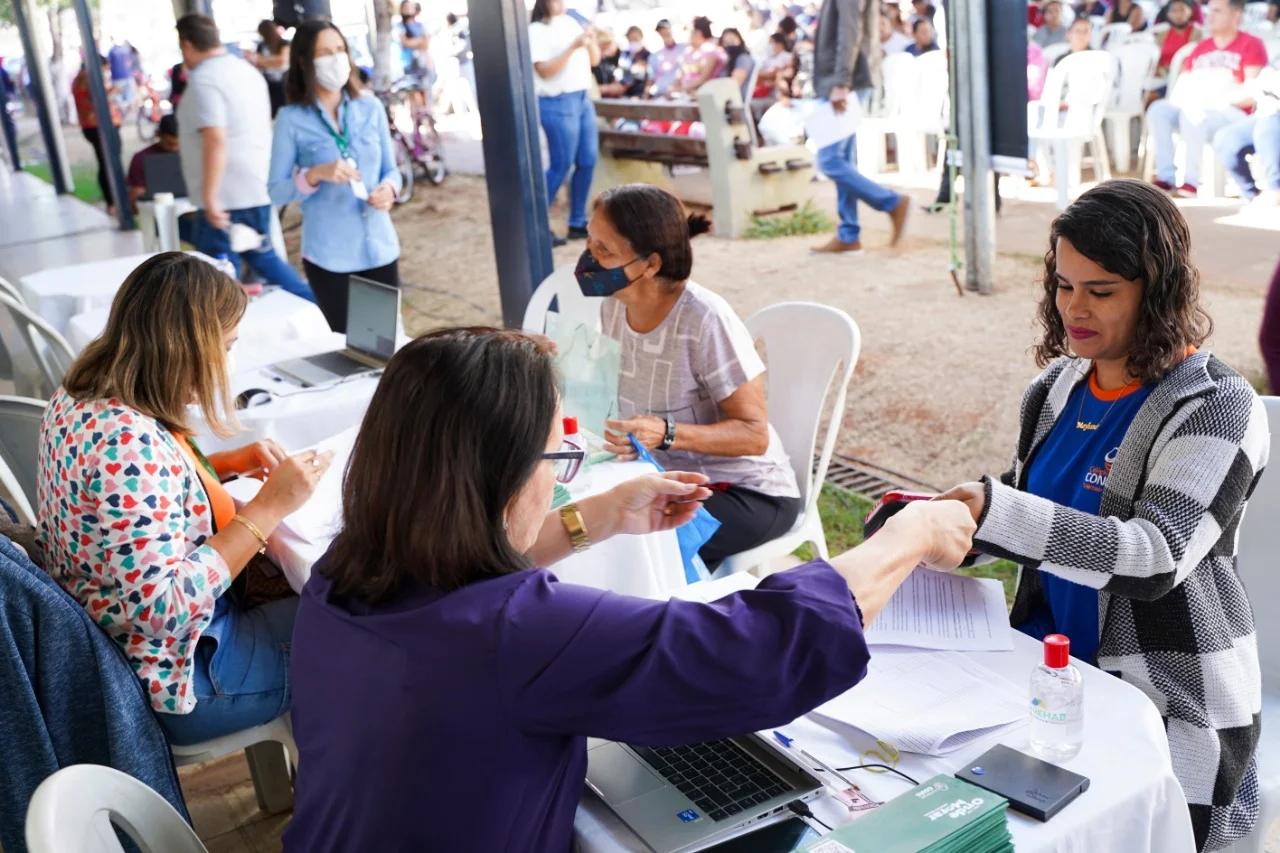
(1261, 29)
(11, 289)
(1273, 50)
(1257, 547)
(1068, 14)
(1158, 29)
(900, 74)
(1149, 11)
(75, 808)
(1053, 51)
(20, 419)
(1111, 32)
(1254, 12)
(805, 343)
(1175, 65)
(562, 287)
(52, 354)
(1144, 37)
(1083, 81)
(928, 110)
(1136, 63)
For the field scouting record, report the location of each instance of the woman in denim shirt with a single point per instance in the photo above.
(332, 150)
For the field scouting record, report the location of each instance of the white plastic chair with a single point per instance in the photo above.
(811, 351)
(270, 767)
(1259, 542)
(1273, 49)
(1054, 51)
(1261, 29)
(9, 288)
(900, 74)
(1086, 80)
(76, 808)
(1102, 37)
(926, 113)
(1137, 62)
(20, 452)
(562, 287)
(1254, 13)
(52, 354)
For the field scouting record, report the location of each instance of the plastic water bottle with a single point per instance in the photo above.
(223, 262)
(575, 439)
(1057, 703)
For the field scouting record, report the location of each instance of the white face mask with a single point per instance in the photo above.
(333, 72)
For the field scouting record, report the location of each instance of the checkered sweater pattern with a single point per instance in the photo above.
(1173, 615)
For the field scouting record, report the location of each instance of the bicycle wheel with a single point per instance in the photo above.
(404, 163)
(431, 151)
(148, 120)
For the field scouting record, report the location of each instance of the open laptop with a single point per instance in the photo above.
(686, 798)
(373, 314)
(162, 173)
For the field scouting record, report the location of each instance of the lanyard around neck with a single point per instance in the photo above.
(344, 147)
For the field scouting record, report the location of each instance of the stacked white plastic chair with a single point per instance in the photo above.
(1083, 82)
(901, 76)
(1136, 63)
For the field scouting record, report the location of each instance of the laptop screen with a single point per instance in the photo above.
(373, 313)
(162, 173)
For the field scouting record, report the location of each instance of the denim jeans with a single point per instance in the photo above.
(1195, 129)
(265, 262)
(240, 673)
(572, 142)
(1257, 135)
(839, 162)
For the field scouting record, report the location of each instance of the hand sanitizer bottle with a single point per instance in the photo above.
(1057, 703)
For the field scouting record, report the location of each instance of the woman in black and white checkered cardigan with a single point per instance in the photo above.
(1173, 617)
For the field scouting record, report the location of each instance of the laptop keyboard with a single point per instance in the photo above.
(338, 363)
(719, 776)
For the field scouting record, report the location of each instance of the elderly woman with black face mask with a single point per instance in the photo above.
(707, 414)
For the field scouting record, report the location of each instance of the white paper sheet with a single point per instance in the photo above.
(928, 702)
(933, 610)
(824, 126)
(319, 517)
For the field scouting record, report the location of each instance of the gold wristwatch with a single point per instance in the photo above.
(571, 518)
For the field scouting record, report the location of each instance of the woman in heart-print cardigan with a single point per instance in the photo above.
(134, 521)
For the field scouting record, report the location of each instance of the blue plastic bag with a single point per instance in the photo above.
(691, 536)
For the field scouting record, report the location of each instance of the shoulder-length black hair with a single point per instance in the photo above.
(300, 82)
(1133, 230)
(456, 428)
(541, 11)
(654, 221)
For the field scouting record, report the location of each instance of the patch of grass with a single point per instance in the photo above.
(842, 516)
(807, 220)
(83, 175)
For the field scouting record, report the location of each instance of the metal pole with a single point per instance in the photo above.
(108, 135)
(512, 152)
(45, 101)
(192, 7)
(964, 128)
(981, 264)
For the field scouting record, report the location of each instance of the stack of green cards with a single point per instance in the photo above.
(944, 815)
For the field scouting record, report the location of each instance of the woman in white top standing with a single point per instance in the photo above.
(564, 52)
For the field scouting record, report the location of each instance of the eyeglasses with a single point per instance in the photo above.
(568, 460)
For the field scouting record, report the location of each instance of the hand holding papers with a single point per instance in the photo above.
(319, 518)
(824, 126)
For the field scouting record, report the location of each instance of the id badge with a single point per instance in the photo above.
(358, 187)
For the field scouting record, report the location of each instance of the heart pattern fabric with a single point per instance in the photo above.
(123, 521)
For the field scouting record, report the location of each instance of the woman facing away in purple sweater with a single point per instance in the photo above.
(444, 688)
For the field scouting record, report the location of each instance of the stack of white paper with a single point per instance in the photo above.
(933, 610)
(931, 703)
(319, 518)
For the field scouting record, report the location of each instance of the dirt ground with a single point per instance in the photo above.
(936, 391)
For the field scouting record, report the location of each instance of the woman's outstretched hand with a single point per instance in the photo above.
(656, 502)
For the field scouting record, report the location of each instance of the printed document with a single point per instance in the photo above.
(935, 610)
(319, 518)
(928, 702)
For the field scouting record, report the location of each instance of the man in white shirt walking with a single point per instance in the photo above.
(224, 123)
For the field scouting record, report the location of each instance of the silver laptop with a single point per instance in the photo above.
(373, 315)
(686, 798)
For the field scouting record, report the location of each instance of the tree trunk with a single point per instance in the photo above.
(55, 29)
(382, 51)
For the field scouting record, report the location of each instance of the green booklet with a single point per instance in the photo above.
(944, 815)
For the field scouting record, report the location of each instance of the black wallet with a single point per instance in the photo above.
(1034, 787)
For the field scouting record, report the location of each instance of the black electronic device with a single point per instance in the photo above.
(1034, 787)
(783, 837)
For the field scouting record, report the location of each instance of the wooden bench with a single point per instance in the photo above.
(746, 178)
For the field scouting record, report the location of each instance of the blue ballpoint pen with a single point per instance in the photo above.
(789, 743)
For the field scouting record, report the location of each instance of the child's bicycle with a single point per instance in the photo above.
(419, 150)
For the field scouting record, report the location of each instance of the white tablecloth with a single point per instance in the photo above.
(274, 317)
(60, 293)
(1133, 804)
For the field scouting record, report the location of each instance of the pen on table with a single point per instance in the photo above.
(789, 743)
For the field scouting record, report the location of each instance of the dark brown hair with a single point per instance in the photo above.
(200, 30)
(1134, 231)
(163, 344)
(271, 36)
(654, 222)
(300, 81)
(456, 428)
(541, 12)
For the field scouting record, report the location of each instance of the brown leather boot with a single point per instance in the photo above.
(836, 246)
(898, 216)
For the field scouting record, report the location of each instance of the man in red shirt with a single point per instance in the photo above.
(1210, 94)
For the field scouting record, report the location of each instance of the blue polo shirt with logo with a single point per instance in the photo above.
(1071, 469)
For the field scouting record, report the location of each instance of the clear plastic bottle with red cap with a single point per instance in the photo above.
(575, 439)
(1057, 703)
